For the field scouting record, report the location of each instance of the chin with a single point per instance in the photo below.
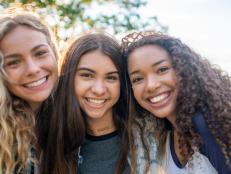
(93, 115)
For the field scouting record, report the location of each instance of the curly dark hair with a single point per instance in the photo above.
(203, 87)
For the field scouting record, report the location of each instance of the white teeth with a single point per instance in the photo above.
(159, 98)
(37, 83)
(96, 101)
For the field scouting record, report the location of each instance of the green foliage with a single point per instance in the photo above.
(114, 16)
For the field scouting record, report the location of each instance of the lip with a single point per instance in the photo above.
(167, 96)
(38, 87)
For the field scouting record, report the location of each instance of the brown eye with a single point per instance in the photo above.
(86, 75)
(136, 80)
(12, 63)
(112, 78)
(41, 53)
(163, 69)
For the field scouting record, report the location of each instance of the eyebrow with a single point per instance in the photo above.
(153, 65)
(85, 69)
(11, 56)
(38, 46)
(113, 72)
(92, 71)
(32, 50)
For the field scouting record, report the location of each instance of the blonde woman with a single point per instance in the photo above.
(28, 75)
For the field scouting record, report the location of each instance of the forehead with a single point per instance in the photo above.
(97, 60)
(21, 38)
(147, 55)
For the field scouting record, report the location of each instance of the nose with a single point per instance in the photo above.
(32, 67)
(99, 87)
(152, 84)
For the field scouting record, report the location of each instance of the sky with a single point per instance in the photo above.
(204, 25)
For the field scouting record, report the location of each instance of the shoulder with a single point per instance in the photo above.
(200, 124)
(144, 127)
(143, 136)
(209, 147)
(201, 127)
(146, 122)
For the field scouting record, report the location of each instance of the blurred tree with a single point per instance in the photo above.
(69, 17)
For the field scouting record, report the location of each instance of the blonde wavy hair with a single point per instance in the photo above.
(17, 121)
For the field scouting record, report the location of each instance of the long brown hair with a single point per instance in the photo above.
(68, 126)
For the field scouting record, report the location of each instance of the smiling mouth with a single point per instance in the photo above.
(96, 101)
(36, 83)
(160, 98)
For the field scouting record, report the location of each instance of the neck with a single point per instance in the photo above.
(35, 107)
(101, 127)
(178, 148)
(102, 131)
(172, 120)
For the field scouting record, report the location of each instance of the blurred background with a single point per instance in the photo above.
(205, 25)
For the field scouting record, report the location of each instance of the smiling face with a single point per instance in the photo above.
(154, 81)
(30, 65)
(97, 86)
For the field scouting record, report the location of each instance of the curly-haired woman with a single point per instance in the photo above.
(188, 99)
(28, 74)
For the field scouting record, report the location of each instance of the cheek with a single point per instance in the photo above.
(137, 93)
(78, 88)
(10, 86)
(13, 88)
(14, 77)
(81, 87)
(54, 72)
(53, 65)
(174, 77)
(115, 90)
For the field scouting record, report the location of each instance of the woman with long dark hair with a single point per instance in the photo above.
(88, 131)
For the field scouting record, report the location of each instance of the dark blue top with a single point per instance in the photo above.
(210, 148)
